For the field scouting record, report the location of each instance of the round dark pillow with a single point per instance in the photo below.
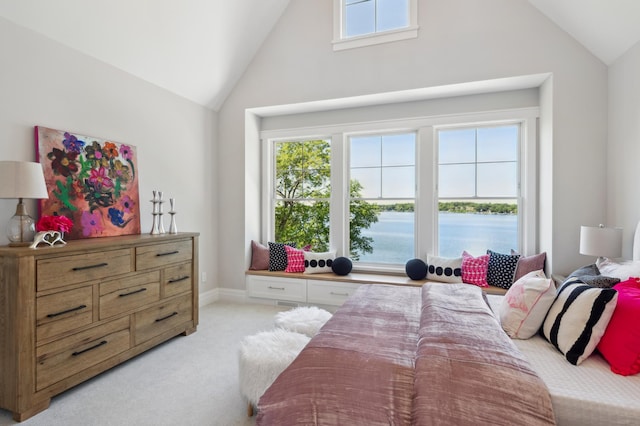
(416, 269)
(341, 265)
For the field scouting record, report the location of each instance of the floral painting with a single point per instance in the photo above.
(91, 181)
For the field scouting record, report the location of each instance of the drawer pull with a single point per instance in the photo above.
(167, 253)
(175, 280)
(140, 290)
(333, 293)
(276, 288)
(97, 265)
(173, 314)
(77, 308)
(104, 342)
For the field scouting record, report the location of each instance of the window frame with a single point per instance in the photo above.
(340, 42)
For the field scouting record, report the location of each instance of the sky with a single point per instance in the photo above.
(361, 16)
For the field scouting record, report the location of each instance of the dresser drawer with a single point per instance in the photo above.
(154, 321)
(293, 289)
(58, 272)
(64, 311)
(68, 356)
(177, 279)
(163, 254)
(328, 292)
(128, 293)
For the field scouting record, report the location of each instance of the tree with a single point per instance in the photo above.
(303, 188)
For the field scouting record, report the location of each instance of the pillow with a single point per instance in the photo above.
(316, 263)
(259, 257)
(578, 318)
(590, 274)
(620, 344)
(295, 259)
(528, 264)
(474, 269)
(525, 305)
(444, 269)
(502, 269)
(623, 270)
(586, 270)
(278, 256)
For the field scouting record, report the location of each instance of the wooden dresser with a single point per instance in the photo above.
(72, 311)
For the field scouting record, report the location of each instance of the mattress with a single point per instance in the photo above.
(583, 395)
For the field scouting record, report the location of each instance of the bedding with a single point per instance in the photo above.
(405, 355)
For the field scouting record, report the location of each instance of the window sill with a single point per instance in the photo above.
(375, 38)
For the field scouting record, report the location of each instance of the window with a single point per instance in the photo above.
(478, 189)
(359, 23)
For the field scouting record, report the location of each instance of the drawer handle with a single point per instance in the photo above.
(97, 265)
(140, 290)
(168, 253)
(104, 342)
(175, 280)
(333, 293)
(276, 288)
(77, 308)
(167, 317)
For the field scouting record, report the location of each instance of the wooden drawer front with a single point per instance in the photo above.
(162, 254)
(68, 356)
(58, 272)
(127, 294)
(154, 321)
(293, 289)
(177, 279)
(64, 311)
(329, 293)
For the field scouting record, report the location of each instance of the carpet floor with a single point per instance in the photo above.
(190, 380)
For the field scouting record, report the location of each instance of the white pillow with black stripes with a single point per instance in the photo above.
(578, 318)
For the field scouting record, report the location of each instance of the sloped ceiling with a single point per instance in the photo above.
(198, 49)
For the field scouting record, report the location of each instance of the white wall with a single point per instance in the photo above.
(623, 159)
(459, 41)
(44, 83)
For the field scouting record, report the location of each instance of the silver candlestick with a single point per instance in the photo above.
(173, 228)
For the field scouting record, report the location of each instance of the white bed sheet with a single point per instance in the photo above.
(583, 395)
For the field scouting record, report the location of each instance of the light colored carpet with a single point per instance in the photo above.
(190, 380)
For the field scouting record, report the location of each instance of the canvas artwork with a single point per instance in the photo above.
(92, 181)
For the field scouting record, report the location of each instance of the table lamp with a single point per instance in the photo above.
(21, 179)
(600, 241)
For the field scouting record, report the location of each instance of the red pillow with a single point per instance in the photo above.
(295, 259)
(474, 269)
(620, 344)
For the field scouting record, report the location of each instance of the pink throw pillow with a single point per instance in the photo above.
(295, 259)
(620, 344)
(529, 264)
(259, 257)
(474, 269)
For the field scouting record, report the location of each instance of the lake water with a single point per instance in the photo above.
(393, 236)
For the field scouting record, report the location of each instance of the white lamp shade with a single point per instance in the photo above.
(22, 179)
(600, 241)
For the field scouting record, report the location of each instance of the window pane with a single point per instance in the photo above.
(360, 18)
(392, 14)
(303, 222)
(456, 180)
(369, 180)
(497, 180)
(366, 151)
(388, 239)
(398, 150)
(457, 146)
(476, 227)
(498, 143)
(398, 182)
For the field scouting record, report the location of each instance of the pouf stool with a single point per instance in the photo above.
(305, 319)
(263, 357)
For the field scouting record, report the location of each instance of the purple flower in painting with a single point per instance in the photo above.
(116, 217)
(125, 152)
(99, 179)
(72, 143)
(91, 223)
(127, 204)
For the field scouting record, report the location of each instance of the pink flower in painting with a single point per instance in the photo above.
(125, 152)
(91, 223)
(127, 204)
(99, 179)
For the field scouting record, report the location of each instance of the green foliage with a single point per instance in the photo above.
(485, 208)
(303, 190)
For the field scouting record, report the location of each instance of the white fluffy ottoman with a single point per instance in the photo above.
(305, 319)
(263, 356)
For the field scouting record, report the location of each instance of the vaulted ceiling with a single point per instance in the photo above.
(198, 49)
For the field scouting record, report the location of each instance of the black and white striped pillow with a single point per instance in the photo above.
(578, 318)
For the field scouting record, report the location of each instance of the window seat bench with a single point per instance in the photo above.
(322, 289)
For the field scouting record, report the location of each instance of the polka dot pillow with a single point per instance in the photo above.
(444, 269)
(278, 256)
(501, 269)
